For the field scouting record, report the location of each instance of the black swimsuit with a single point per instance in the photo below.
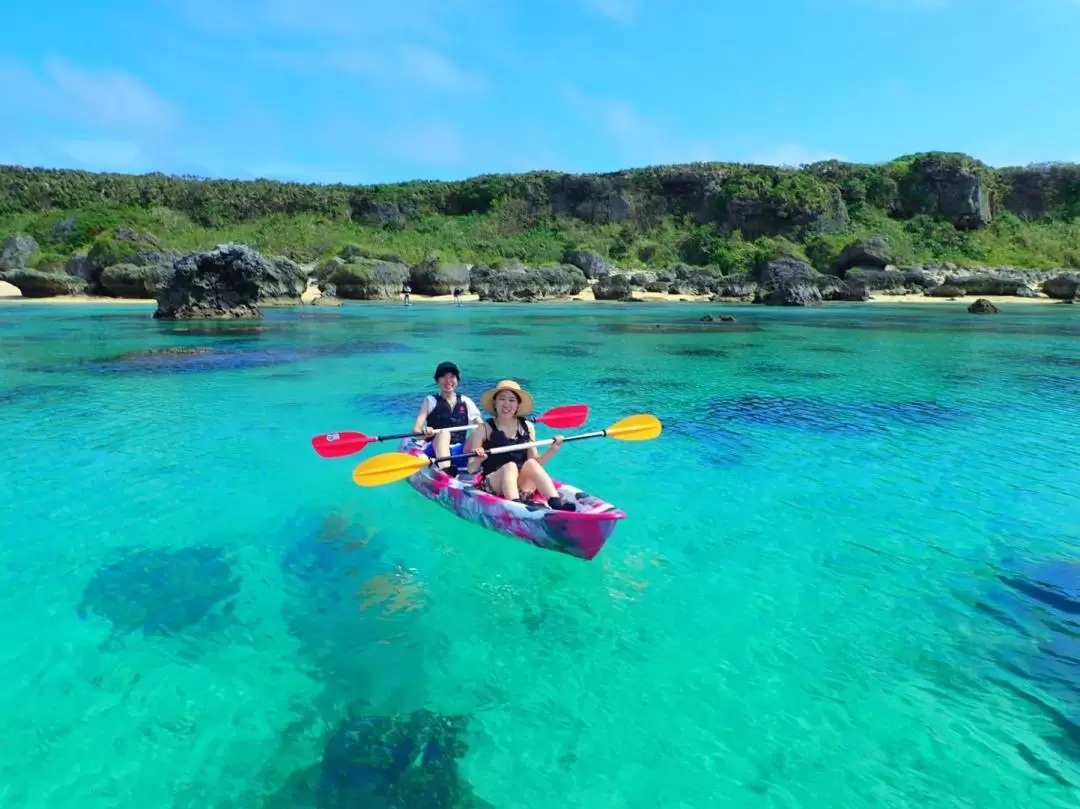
(496, 438)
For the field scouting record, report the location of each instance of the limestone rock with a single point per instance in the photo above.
(16, 250)
(222, 283)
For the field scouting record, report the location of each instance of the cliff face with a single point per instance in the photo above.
(756, 200)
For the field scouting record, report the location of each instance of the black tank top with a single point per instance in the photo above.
(497, 439)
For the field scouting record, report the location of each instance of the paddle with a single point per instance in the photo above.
(394, 466)
(336, 445)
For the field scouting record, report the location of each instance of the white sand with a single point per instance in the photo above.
(964, 301)
(11, 294)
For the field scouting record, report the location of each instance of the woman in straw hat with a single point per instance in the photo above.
(513, 475)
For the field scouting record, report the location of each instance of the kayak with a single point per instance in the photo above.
(580, 533)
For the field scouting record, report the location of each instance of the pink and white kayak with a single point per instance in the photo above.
(580, 533)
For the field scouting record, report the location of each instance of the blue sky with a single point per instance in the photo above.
(364, 91)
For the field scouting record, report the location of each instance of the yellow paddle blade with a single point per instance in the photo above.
(387, 468)
(636, 428)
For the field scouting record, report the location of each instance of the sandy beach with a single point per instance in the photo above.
(10, 294)
(965, 301)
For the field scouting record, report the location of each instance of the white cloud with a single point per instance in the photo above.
(639, 139)
(621, 11)
(394, 67)
(110, 99)
(432, 69)
(404, 64)
(334, 19)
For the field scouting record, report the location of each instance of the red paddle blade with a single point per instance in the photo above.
(565, 417)
(336, 445)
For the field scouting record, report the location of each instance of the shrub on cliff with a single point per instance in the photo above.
(929, 206)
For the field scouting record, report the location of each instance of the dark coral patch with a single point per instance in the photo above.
(402, 761)
(698, 352)
(161, 591)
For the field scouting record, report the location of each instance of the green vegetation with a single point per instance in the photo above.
(930, 207)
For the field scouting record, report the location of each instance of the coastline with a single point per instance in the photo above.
(10, 294)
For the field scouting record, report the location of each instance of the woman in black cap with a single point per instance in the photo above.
(448, 408)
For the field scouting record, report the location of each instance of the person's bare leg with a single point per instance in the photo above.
(441, 442)
(505, 482)
(534, 477)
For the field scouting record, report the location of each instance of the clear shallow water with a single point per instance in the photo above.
(817, 598)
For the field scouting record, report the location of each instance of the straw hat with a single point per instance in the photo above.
(487, 398)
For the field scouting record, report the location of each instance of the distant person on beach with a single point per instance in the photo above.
(405, 290)
(448, 408)
(457, 295)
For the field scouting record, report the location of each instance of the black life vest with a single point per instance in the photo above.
(496, 439)
(442, 415)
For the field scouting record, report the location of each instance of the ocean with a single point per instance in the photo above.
(848, 575)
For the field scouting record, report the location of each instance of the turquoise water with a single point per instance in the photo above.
(806, 606)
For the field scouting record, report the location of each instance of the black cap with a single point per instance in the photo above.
(446, 368)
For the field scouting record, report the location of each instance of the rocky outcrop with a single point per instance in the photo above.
(126, 247)
(16, 251)
(786, 281)
(731, 199)
(849, 289)
(365, 279)
(991, 284)
(789, 281)
(513, 281)
(1063, 287)
(593, 265)
(613, 288)
(872, 252)
(982, 307)
(133, 281)
(778, 215)
(222, 283)
(37, 284)
(945, 291)
(950, 187)
(1039, 190)
(283, 284)
(736, 287)
(892, 280)
(432, 277)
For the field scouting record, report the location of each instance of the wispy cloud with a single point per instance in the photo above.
(110, 99)
(638, 138)
(334, 19)
(621, 11)
(402, 64)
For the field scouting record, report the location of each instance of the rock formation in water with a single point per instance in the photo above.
(161, 591)
(223, 283)
(386, 762)
(983, 307)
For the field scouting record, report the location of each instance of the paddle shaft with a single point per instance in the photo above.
(422, 433)
(515, 447)
(471, 426)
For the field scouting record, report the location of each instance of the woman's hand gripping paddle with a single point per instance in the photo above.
(337, 445)
(391, 467)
